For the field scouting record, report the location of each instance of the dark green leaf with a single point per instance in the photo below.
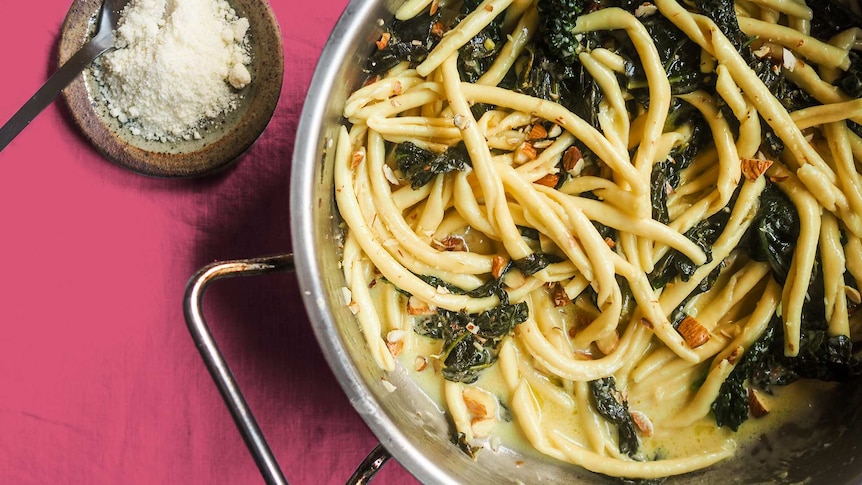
(471, 341)
(535, 262)
(420, 166)
(611, 405)
(410, 40)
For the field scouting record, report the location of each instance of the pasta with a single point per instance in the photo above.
(611, 230)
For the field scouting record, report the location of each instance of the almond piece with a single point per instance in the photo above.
(537, 132)
(415, 306)
(358, 157)
(498, 264)
(549, 180)
(757, 405)
(525, 152)
(395, 348)
(693, 332)
(754, 167)
(642, 422)
(571, 157)
(384, 41)
(559, 295)
(452, 243)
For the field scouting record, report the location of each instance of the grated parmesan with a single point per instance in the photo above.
(178, 66)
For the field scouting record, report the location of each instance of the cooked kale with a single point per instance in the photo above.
(611, 405)
(679, 55)
(528, 232)
(409, 40)
(664, 176)
(674, 263)
(492, 287)
(730, 408)
(535, 262)
(419, 166)
(764, 365)
(791, 96)
(851, 80)
(831, 17)
(552, 70)
(471, 341)
(557, 23)
(543, 76)
(773, 232)
(770, 144)
(627, 297)
(461, 441)
(723, 14)
(477, 55)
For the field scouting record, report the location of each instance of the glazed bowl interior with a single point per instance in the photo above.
(409, 424)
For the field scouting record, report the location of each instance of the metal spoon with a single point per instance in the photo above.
(103, 41)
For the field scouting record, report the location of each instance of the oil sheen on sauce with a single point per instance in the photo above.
(794, 403)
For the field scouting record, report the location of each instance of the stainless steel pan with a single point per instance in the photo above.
(407, 424)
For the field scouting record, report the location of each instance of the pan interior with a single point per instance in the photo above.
(412, 427)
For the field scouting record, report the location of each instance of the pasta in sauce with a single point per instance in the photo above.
(611, 269)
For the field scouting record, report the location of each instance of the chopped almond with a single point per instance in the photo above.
(559, 295)
(756, 404)
(415, 306)
(537, 132)
(452, 243)
(482, 407)
(642, 422)
(754, 167)
(474, 405)
(358, 157)
(498, 264)
(693, 332)
(420, 363)
(525, 152)
(434, 6)
(549, 180)
(571, 157)
(395, 347)
(610, 242)
(384, 40)
(438, 29)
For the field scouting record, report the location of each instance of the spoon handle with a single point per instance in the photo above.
(46, 94)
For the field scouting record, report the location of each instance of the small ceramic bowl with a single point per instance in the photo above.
(224, 140)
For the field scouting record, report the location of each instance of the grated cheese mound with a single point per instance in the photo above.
(178, 65)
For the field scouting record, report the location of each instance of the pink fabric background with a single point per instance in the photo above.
(99, 379)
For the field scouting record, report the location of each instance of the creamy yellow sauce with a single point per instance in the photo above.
(793, 403)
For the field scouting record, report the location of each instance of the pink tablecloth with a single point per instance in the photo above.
(99, 380)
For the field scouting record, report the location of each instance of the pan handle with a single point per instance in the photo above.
(224, 379)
